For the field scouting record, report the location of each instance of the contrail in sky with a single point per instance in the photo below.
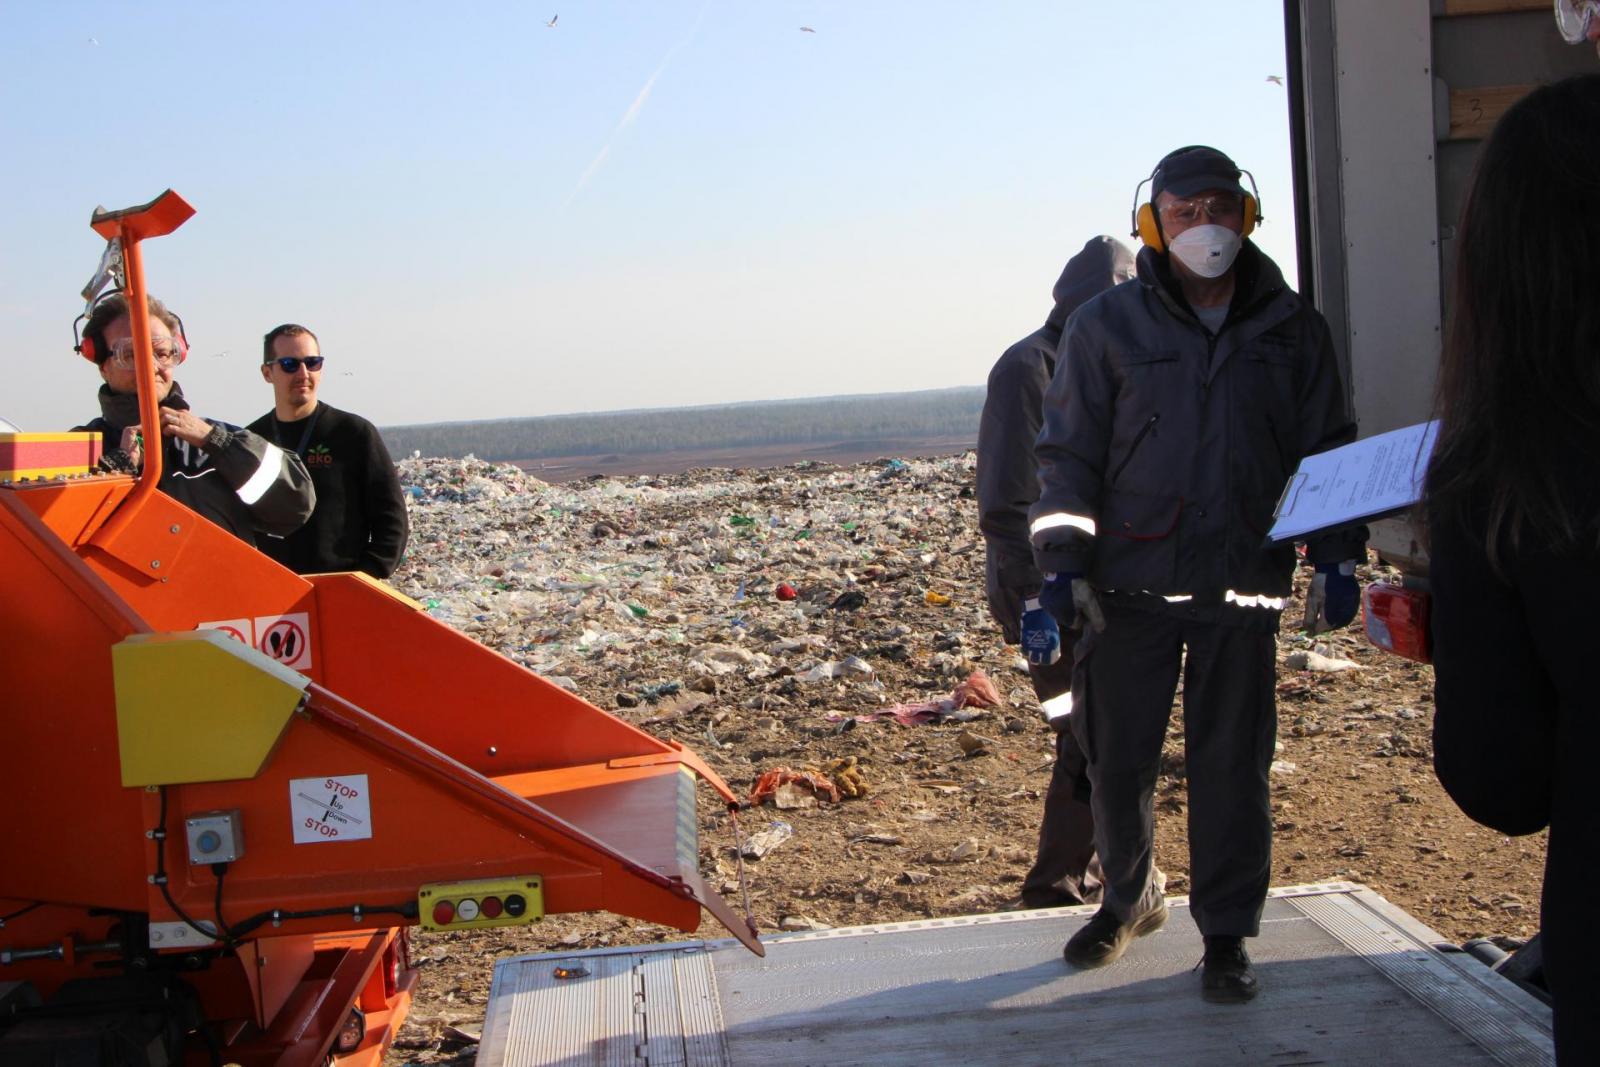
(637, 106)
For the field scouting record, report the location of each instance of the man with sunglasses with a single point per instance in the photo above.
(1179, 407)
(360, 520)
(229, 475)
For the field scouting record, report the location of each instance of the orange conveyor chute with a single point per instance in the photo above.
(476, 767)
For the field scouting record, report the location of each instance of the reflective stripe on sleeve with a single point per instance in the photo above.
(1058, 706)
(1253, 600)
(1179, 599)
(265, 475)
(1061, 518)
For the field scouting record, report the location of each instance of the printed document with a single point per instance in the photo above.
(1370, 479)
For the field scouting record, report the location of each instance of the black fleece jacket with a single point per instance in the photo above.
(360, 521)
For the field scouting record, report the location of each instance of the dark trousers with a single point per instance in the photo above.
(1230, 724)
(1065, 872)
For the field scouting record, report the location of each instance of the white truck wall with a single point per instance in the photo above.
(1383, 177)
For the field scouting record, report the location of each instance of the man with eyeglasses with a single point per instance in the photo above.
(229, 475)
(1179, 408)
(360, 521)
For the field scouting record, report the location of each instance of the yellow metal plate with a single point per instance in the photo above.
(470, 899)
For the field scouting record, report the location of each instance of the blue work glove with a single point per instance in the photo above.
(1041, 638)
(1055, 596)
(1067, 597)
(1334, 597)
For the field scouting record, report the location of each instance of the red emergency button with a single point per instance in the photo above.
(490, 908)
(443, 913)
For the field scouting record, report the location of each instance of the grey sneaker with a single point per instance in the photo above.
(1103, 939)
(1227, 978)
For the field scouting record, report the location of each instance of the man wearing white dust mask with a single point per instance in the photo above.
(1179, 407)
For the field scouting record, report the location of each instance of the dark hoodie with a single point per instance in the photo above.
(1012, 415)
(239, 481)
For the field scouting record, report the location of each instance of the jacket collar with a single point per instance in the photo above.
(122, 409)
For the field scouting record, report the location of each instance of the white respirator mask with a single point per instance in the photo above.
(1207, 250)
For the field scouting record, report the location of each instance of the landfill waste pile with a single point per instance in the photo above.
(819, 635)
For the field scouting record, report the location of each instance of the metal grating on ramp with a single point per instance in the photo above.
(1346, 979)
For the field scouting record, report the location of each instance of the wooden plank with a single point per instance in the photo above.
(1493, 7)
(1473, 112)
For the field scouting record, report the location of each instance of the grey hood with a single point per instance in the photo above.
(1100, 264)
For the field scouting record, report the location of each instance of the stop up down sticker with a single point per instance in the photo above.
(335, 808)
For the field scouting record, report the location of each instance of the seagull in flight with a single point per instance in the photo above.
(807, 29)
(552, 23)
(1275, 79)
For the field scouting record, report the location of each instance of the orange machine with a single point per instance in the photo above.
(233, 786)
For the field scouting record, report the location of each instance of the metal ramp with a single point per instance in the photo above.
(1347, 978)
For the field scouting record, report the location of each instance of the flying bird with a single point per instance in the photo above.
(1275, 79)
(552, 23)
(807, 29)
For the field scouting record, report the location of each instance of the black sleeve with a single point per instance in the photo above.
(1494, 718)
(1007, 485)
(385, 506)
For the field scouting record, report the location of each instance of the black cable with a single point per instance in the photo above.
(20, 912)
(407, 910)
(159, 834)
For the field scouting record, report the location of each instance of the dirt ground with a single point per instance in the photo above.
(942, 832)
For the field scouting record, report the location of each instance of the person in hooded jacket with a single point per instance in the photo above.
(235, 478)
(1065, 872)
(1180, 406)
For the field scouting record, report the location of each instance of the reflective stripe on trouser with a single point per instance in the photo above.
(1065, 871)
(1230, 723)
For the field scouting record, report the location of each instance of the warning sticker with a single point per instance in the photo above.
(286, 638)
(241, 630)
(336, 808)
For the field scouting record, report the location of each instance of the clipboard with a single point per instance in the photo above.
(1373, 478)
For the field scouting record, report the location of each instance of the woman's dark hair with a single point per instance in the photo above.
(1518, 397)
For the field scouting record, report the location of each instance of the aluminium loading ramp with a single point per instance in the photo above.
(1346, 978)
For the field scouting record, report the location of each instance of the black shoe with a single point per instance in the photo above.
(1103, 938)
(1227, 978)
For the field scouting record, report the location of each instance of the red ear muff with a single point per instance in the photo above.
(1147, 229)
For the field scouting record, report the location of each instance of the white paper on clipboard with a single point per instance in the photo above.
(1371, 478)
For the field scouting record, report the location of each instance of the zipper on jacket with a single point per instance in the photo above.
(1134, 448)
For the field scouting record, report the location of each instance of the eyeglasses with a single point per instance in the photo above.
(1219, 206)
(290, 364)
(168, 352)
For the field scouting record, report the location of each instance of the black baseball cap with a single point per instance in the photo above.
(1194, 169)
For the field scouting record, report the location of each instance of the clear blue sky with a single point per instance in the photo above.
(651, 204)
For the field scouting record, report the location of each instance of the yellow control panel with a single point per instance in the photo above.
(515, 901)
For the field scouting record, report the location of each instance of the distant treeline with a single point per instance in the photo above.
(821, 420)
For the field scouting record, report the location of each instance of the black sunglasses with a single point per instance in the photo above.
(290, 364)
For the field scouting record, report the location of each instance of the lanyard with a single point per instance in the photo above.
(305, 435)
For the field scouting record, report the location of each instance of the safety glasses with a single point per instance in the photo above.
(168, 352)
(290, 364)
(1575, 18)
(1191, 209)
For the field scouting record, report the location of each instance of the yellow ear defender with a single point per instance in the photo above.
(1147, 229)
